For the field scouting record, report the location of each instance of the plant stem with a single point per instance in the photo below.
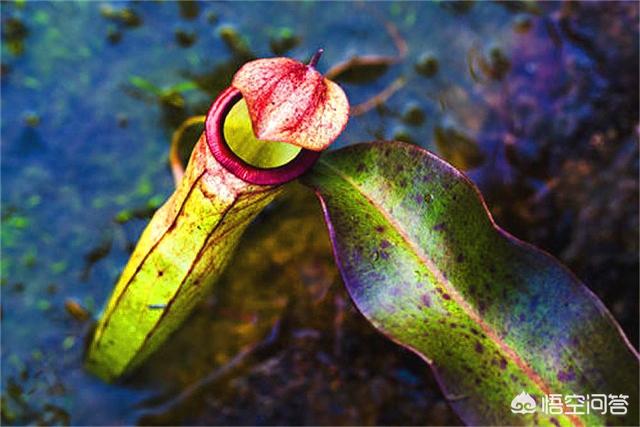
(315, 58)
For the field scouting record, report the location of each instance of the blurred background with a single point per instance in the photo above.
(538, 103)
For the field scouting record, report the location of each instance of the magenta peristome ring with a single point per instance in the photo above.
(234, 164)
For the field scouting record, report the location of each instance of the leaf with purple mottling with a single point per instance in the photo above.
(493, 316)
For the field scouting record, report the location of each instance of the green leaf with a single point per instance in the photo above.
(492, 316)
(178, 258)
(145, 85)
(183, 87)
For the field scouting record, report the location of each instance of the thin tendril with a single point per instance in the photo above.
(177, 168)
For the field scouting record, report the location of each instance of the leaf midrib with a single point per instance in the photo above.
(440, 278)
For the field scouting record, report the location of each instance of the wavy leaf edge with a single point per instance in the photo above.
(495, 228)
